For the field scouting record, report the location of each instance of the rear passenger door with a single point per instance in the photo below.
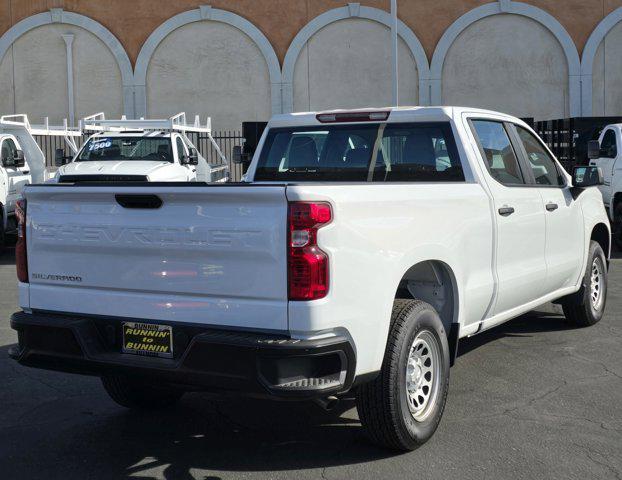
(519, 258)
(564, 218)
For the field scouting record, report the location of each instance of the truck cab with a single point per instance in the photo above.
(141, 151)
(22, 162)
(14, 175)
(605, 153)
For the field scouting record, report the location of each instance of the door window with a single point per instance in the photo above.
(608, 147)
(181, 150)
(9, 150)
(499, 156)
(542, 164)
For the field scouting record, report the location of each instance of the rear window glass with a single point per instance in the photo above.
(397, 152)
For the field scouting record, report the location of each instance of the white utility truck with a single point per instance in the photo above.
(606, 153)
(364, 245)
(145, 150)
(22, 161)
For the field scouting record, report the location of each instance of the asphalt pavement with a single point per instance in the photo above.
(532, 399)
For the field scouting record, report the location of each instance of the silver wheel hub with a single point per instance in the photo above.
(597, 282)
(422, 375)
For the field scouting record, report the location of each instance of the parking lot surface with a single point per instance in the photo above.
(534, 398)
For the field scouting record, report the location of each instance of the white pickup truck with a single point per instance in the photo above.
(606, 153)
(144, 150)
(363, 247)
(22, 162)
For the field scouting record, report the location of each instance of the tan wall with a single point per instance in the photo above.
(280, 20)
(214, 69)
(209, 68)
(484, 65)
(36, 62)
(607, 79)
(347, 64)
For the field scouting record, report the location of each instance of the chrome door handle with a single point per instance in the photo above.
(551, 206)
(506, 211)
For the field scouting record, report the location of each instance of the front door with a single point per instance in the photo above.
(606, 161)
(17, 177)
(564, 218)
(519, 215)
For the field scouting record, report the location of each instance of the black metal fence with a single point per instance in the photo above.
(568, 137)
(225, 140)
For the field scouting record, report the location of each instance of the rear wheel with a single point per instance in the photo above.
(403, 406)
(130, 393)
(587, 306)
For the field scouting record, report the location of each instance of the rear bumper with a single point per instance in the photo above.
(243, 363)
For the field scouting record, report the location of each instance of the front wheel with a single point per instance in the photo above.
(587, 306)
(403, 406)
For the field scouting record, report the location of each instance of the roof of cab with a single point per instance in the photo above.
(399, 114)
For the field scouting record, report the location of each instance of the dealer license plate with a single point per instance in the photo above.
(148, 339)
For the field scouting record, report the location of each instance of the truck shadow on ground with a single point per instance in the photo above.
(7, 254)
(200, 434)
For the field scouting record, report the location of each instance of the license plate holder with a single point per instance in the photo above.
(147, 339)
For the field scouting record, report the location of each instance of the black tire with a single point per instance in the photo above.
(383, 404)
(581, 309)
(130, 393)
(617, 226)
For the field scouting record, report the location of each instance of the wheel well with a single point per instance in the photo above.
(617, 198)
(433, 282)
(600, 233)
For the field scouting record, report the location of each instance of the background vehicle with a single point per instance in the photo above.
(605, 153)
(363, 246)
(141, 150)
(22, 162)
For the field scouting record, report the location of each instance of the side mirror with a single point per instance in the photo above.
(59, 157)
(20, 161)
(238, 157)
(193, 156)
(593, 149)
(237, 154)
(587, 176)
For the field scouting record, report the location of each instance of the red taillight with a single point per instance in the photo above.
(307, 264)
(21, 258)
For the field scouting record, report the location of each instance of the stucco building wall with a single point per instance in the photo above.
(229, 64)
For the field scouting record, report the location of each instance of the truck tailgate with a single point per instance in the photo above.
(213, 255)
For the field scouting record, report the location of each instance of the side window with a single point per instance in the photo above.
(418, 153)
(542, 164)
(9, 149)
(5, 153)
(499, 156)
(608, 146)
(181, 150)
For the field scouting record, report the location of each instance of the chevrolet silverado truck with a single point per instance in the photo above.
(363, 246)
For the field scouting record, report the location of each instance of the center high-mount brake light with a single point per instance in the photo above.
(307, 265)
(353, 117)
(21, 257)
